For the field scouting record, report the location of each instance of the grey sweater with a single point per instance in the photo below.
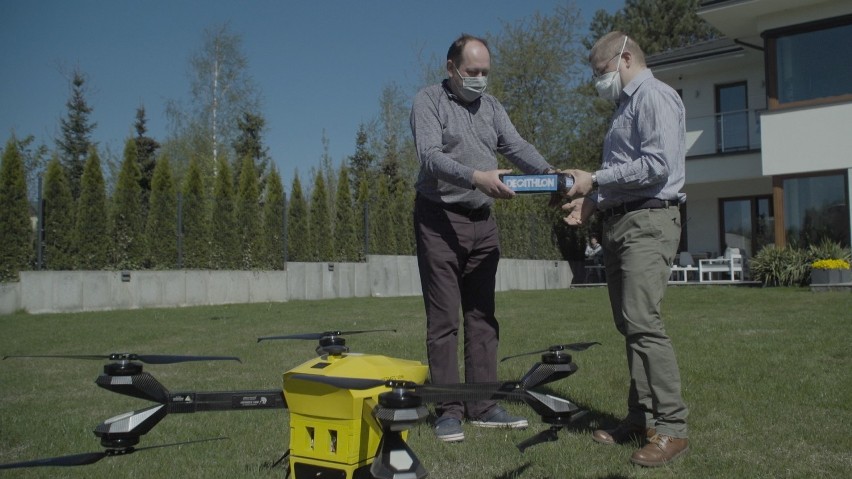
(453, 139)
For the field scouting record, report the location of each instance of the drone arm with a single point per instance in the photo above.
(543, 373)
(189, 402)
(142, 386)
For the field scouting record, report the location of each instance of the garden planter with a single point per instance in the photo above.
(831, 276)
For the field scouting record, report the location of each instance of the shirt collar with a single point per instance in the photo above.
(637, 81)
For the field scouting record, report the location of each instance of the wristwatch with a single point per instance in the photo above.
(594, 180)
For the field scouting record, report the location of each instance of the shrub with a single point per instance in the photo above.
(791, 266)
(829, 250)
(780, 267)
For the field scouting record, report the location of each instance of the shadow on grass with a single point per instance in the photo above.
(514, 473)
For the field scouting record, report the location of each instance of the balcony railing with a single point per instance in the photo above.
(727, 132)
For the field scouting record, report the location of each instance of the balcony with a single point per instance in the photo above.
(723, 133)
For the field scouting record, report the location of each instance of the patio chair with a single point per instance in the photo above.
(682, 267)
(725, 268)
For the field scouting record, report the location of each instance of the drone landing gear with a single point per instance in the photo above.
(398, 411)
(551, 434)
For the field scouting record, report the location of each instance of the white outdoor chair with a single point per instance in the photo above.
(682, 267)
(726, 268)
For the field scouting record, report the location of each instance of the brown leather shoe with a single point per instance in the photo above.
(660, 450)
(623, 433)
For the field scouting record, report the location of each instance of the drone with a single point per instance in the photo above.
(350, 413)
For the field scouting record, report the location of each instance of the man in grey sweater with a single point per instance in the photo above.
(458, 129)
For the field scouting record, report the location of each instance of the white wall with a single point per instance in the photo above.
(380, 276)
(807, 139)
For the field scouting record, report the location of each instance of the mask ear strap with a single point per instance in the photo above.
(621, 53)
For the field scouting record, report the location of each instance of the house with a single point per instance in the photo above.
(769, 124)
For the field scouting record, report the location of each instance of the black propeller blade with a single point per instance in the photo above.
(342, 383)
(428, 392)
(548, 435)
(92, 457)
(145, 358)
(559, 347)
(316, 336)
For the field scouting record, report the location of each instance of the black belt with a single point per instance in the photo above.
(644, 204)
(481, 213)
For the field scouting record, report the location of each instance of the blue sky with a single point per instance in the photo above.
(319, 64)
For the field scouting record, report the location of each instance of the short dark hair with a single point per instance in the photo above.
(455, 52)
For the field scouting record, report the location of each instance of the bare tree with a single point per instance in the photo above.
(221, 93)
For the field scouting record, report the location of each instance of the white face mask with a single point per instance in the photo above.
(609, 84)
(472, 87)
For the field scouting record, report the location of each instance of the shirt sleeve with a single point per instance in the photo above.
(511, 145)
(427, 130)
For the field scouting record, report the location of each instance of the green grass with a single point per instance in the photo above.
(765, 374)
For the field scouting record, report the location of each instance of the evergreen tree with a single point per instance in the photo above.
(75, 142)
(361, 163)
(345, 238)
(146, 151)
(322, 242)
(328, 170)
(16, 232)
(161, 229)
(273, 222)
(58, 218)
(196, 223)
(298, 229)
(225, 245)
(90, 231)
(35, 160)
(248, 216)
(382, 226)
(249, 142)
(362, 212)
(402, 202)
(128, 246)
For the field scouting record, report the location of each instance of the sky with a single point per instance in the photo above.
(319, 65)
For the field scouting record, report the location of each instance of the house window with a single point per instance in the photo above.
(816, 208)
(747, 224)
(731, 117)
(807, 62)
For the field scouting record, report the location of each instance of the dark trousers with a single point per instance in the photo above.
(457, 254)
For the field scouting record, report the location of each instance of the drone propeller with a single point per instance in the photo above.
(559, 347)
(145, 358)
(92, 457)
(316, 336)
(427, 392)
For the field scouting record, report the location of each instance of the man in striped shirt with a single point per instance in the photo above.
(637, 193)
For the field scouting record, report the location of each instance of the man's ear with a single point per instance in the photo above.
(627, 59)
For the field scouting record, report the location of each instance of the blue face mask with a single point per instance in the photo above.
(472, 87)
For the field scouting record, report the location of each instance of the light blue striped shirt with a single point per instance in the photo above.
(644, 152)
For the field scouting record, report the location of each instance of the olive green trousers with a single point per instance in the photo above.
(639, 248)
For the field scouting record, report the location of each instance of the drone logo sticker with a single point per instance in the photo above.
(251, 401)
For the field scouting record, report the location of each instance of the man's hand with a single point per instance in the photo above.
(579, 211)
(582, 183)
(489, 183)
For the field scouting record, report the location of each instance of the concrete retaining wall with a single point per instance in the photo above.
(380, 276)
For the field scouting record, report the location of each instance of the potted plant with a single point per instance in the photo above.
(830, 271)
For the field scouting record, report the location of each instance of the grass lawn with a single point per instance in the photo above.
(765, 374)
